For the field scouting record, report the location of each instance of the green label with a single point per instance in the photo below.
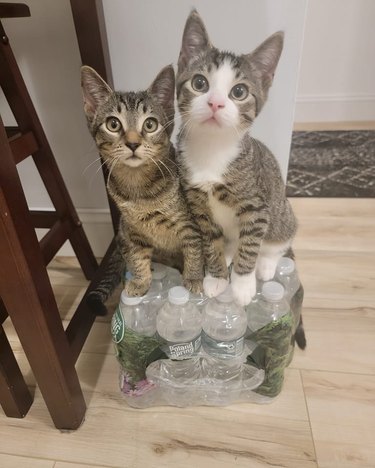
(117, 326)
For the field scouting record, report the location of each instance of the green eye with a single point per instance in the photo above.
(239, 92)
(199, 83)
(150, 125)
(113, 124)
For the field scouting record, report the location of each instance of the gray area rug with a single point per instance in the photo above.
(332, 164)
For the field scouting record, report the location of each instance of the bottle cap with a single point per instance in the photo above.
(131, 300)
(226, 296)
(273, 291)
(285, 266)
(159, 271)
(178, 295)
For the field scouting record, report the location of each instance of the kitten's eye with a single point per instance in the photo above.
(239, 92)
(199, 83)
(150, 125)
(113, 124)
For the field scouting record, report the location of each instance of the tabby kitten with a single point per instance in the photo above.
(132, 132)
(232, 181)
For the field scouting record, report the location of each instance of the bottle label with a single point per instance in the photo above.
(229, 348)
(117, 326)
(183, 350)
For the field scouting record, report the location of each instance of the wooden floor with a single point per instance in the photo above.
(324, 417)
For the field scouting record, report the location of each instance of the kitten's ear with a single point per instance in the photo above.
(194, 40)
(95, 90)
(266, 57)
(162, 89)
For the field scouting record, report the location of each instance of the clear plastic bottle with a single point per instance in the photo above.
(270, 306)
(286, 274)
(137, 315)
(224, 327)
(179, 322)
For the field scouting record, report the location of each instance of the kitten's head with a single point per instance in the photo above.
(132, 127)
(219, 90)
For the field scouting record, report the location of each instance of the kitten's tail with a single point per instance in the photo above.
(111, 278)
(300, 335)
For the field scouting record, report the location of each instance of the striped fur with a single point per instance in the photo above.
(143, 180)
(232, 182)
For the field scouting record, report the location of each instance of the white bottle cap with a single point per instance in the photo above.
(159, 271)
(131, 300)
(285, 266)
(178, 295)
(226, 296)
(272, 291)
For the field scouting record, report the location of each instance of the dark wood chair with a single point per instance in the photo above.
(25, 290)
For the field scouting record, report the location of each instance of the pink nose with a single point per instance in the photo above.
(216, 103)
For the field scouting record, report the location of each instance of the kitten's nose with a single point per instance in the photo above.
(216, 103)
(132, 146)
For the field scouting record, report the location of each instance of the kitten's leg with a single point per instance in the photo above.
(138, 255)
(215, 280)
(191, 245)
(111, 277)
(253, 221)
(268, 258)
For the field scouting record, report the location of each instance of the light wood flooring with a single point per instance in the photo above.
(325, 415)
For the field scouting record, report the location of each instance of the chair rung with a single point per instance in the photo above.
(15, 10)
(22, 146)
(43, 219)
(55, 238)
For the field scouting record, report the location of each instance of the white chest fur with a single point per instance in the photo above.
(226, 218)
(207, 159)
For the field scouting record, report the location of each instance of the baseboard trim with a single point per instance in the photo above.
(335, 107)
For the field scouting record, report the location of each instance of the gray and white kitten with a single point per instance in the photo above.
(232, 181)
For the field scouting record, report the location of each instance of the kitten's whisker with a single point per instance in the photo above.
(87, 167)
(168, 169)
(157, 165)
(115, 161)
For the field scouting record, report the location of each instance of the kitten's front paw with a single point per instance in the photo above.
(244, 287)
(214, 286)
(135, 288)
(266, 268)
(192, 285)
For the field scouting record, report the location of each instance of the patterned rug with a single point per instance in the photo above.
(332, 164)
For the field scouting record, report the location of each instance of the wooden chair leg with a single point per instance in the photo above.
(15, 397)
(28, 297)
(19, 101)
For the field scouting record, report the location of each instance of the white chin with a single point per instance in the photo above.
(133, 162)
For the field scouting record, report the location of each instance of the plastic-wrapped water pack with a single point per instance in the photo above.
(177, 349)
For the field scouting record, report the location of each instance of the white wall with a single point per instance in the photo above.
(337, 76)
(144, 35)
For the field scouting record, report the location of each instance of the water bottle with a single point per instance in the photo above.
(179, 322)
(137, 315)
(224, 326)
(270, 306)
(286, 274)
